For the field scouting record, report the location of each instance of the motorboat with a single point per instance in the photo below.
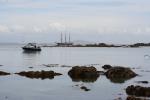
(31, 47)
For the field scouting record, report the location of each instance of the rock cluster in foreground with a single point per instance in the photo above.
(138, 91)
(4, 73)
(119, 74)
(84, 74)
(39, 74)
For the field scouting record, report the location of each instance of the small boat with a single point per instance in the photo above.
(31, 47)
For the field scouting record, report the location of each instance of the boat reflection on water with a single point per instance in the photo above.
(30, 57)
(31, 52)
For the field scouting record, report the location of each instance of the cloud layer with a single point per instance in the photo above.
(32, 19)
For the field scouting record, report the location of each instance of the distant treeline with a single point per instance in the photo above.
(102, 45)
(112, 45)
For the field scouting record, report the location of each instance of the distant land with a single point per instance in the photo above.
(84, 44)
(136, 45)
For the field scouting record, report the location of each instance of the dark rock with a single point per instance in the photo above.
(85, 88)
(138, 91)
(134, 98)
(106, 67)
(39, 74)
(119, 74)
(4, 73)
(84, 74)
(144, 82)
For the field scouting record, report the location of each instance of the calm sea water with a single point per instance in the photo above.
(14, 59)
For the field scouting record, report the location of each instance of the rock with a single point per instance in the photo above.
(65, 66)
(84, 74)
(39, 74)
(135, 98)
(138, 91)
(119, 74)
(85, 88)
(51, 65)
(106, 67)
(4, 73)
(144, 82)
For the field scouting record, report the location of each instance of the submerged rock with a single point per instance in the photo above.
(135, 98)
(85, 88)
(51, 65)
(39, 74)
(4, 73)
(138, 91)
(119, 74)
(30, 67)
(144, 82)
(106, 67)
(84, 74)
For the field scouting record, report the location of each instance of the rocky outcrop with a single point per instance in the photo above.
(4, 73)
(106, 67)
(84, 88)
(84, 74)
(138, 91)
(39, 74)
(119, 74)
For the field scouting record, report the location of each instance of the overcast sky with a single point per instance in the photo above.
(113, 21)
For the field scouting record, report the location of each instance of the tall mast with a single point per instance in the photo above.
(61, 38)
(69, 37)
(65, 37)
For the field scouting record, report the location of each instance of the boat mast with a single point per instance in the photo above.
(69, 37)
(65, 37)
(61, 38)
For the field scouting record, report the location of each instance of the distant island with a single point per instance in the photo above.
(136, 45)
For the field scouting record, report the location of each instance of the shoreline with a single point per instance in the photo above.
(136, 45)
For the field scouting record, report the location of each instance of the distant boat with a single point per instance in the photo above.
(31, 47)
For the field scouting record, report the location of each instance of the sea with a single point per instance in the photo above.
(14, 87)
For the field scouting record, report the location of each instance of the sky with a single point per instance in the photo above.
(110, 21)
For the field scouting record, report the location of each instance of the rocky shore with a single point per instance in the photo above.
(116, 74)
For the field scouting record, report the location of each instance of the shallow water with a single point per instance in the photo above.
(14, 87)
